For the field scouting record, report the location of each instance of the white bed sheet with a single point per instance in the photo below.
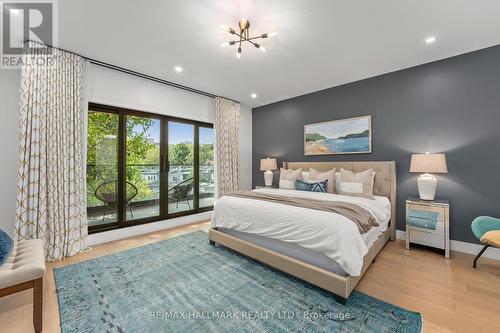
(329, 233)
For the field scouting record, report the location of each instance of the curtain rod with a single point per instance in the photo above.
(138, 74)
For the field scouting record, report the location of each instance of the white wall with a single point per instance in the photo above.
(109, 87)
(9, 146)
(114, 88)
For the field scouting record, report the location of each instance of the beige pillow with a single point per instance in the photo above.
(305, 176)
(318, 176)
(288, 178)
(356, 184)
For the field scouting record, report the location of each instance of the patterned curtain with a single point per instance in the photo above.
(227, 128)
(51, 200)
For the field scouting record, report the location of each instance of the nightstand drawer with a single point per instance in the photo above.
(429, 238)
(413, 208)
(440, 228)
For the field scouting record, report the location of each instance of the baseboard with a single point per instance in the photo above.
(112, 235)
(470, 248)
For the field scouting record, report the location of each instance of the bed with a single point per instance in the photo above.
(329, 255)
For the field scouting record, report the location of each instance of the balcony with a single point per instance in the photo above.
(144, 200)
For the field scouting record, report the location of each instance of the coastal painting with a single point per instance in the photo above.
(345, 136)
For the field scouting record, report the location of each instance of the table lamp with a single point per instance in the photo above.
(267, 165)
(428, 163)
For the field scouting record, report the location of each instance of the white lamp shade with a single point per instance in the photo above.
(428, 163)
(268, 164)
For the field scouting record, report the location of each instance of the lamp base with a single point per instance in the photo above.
(427, 184)
(268, 178)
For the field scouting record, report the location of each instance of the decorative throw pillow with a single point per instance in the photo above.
(6, 245)
(305, 176)
(311, 187)
(356, 184)
(315, 175)
(337, 181)
(288, 178)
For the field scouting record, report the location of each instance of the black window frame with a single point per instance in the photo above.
(122, 113)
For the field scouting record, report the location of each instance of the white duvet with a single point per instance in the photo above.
(329, 233)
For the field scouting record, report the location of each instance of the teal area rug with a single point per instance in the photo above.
(184, 284)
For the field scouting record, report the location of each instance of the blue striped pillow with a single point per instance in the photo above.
(311, 187)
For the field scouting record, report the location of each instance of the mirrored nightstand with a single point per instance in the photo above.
(428, 223)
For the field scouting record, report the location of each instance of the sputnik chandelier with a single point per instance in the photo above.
(244, 36)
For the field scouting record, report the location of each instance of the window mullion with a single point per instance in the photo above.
(196, 160)
(122, 122)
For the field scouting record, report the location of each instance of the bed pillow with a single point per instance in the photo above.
(320, 186)
(305, 176)
(356, 184)
(337, 182)
(6, 245)
(315, 176)
(288, 178)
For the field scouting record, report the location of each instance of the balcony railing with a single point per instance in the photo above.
(146, 177)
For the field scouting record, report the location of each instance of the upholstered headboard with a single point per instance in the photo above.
(385, 178)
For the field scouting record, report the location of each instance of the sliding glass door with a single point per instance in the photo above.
(143, 167)
(181, 180)
(206, 166)
(102, 168)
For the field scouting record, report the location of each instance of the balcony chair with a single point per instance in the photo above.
(181, 191)
(487, 230)
(107, 193)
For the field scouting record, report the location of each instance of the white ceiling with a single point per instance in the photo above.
(320, 43)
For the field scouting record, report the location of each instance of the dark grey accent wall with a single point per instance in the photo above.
(450, 106)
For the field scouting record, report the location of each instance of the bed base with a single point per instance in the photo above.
(340, 286)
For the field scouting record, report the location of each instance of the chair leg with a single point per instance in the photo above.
(479, 255)
(37, 304)
(189, 205)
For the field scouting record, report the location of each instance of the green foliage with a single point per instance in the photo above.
(206, 154)
(102, 153)
(314, 137)
(363, 134)
(180, 154)
(140, 153)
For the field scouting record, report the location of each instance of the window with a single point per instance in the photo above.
(102, 168)
(142, 146)
(206, 166)
(143, 167)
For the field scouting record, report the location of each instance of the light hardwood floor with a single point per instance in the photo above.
(450, 294)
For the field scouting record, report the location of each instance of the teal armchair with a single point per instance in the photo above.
(487, 230)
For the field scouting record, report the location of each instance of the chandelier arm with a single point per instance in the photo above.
(248, 40)
(256, 37)
(237, 34)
